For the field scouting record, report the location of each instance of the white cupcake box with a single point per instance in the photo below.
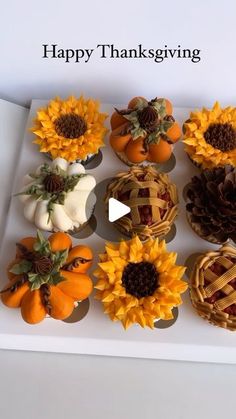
(189, 338)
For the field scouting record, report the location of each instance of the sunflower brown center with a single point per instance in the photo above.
(70, 125)
(221, 136)
(53, 183)
(140, 279)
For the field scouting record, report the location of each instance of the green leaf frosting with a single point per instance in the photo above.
(37, 190)
(42, 248)
(20, 268)
(137, 131)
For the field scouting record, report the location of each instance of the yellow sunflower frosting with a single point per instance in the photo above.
(139, 282)
(71, 128)
(210, 136)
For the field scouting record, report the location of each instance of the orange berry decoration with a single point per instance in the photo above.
(117, 120)
(174, 133)
(160, 152)
(136, 151)
(144, 131)
(135, 101)
(119, 138)
(47, 277)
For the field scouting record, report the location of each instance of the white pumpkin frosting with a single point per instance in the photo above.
(63, 209)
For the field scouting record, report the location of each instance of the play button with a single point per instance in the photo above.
(116, 209)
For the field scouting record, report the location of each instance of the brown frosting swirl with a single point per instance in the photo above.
(42, 265)
(53, 183)
(148, 117)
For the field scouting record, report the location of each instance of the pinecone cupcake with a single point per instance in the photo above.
(153, 200)
(213, 287)
(211, 210)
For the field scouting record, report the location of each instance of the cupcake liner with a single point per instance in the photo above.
(83, 162)
(123, 158)
(199, 288)
(194, 163)
(197, 229)
(77, 230)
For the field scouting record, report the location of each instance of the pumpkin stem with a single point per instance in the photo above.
(17, 284)
(75, 263)
(45, 294)
(123, 111)
(27, 254)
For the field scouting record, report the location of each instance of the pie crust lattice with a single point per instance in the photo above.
(143, 187)
(213, 287)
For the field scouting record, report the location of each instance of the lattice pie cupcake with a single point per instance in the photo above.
(213, 287)
(152, 198)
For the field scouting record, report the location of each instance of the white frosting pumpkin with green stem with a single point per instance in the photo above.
(58, 196)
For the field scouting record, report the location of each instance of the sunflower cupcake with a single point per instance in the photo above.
(152, 198)
(139, 282)
(72, 129)
(210, 137)
(145, 131)
(213, 287)
(211, 207)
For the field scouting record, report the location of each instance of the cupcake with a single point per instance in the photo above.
(47, 277)
(72, 129)
(210, 137)
(152, 198)
(58, 196)
(139, 283)
(211, 207)
(213, 287)
(144, 131)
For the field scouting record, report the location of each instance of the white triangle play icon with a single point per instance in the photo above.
(116, 209)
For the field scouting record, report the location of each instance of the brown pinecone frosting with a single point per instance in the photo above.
(148, 118)
(213, 287)
(42, 265)
(211, 209)
(53, 183)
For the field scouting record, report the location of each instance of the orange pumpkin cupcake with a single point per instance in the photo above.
(47, 277)
(152, 198)
(145, 131)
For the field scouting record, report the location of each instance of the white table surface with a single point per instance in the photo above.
(48, 385)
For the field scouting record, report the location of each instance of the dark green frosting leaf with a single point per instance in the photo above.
(22, 267)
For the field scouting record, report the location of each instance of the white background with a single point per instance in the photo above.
(52, 386)
(208, 25)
